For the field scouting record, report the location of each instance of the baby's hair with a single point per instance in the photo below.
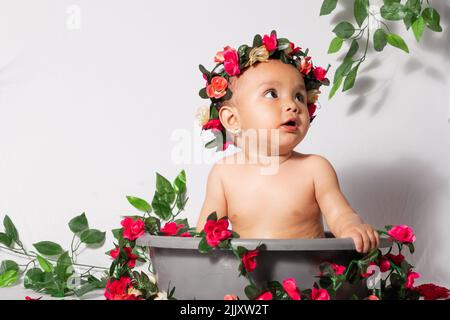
(233, 63)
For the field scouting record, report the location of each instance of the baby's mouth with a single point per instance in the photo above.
(291, 125)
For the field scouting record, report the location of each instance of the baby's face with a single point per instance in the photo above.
(266, 96)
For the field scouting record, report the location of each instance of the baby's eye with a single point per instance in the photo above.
(300, 98)
(272, 92)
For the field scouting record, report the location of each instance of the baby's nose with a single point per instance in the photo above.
(293, 108)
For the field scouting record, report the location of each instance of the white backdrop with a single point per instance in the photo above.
(92, 93)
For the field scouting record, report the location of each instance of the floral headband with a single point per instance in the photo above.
(232, 63)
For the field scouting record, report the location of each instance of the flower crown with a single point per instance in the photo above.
(232, 63)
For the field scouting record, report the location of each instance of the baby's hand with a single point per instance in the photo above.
(365, 237)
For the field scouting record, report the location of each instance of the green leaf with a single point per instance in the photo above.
(34, 279)
(180, 182)
(202, 93)
(410, 247)
(48, 248)
(397, 41)
(203, 70)
(343, 69)
(4, 239)
(335, 45)
(92, 237)
(361, 11)
(379, 39)
(344, 30)
(418, 27)
(211, 144)
(10, 229)
(63, 268)
(160, 206)
(78, 223)
(257, 41)
(203, 246)
(335, 87)
(327, 7)
(432, 19)
(212, 216)
(413, 6)
(251, 292)
(8, 265)
(8, 278)
(45, 264)
(394, 11)
(140, 204)
(354, 47)
(164, 187)
(282, 44)
(350, 79)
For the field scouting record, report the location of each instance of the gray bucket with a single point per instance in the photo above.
(176, 261)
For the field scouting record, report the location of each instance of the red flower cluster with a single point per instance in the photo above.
(432, 292)
(131, 257)
(216, 231)
(119, 290)
(132, 229)
(172, 228)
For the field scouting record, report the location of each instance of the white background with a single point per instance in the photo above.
(87, 115)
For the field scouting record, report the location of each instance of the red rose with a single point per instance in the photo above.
(131, 257)
(294, 49)
(186, 235)
(270, 42)
(431, 291)
(311, 109)
(402, 233)
(384, 264)
(216, 231)
(338, 269)
(133, 229)
(319, 73)
(410, 279)
(30, 298)
(213, 124)
(368, 274)
(230, 297)
(397, 259)
(372, 297)
(249, 260)
(118, 289)
(290, 286)
(319, 294)
(171, 228)
(231, 62)
(265, 296)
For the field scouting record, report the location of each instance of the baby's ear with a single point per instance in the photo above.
(228, 116)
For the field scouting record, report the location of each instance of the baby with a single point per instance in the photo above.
(270, 106)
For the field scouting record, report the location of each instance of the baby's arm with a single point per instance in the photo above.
(340, 217)
(215, 197)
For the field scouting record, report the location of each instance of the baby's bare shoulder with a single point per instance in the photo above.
(317, 164)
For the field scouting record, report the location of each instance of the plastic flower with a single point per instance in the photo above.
(231, 62)
(213, 124)
(290, 287)
(161, 296)
(402, 233)
(338, 269)
(372, 297)
(312, 109)
(431, 291)
(319, 294)
(319, 73)
(270, 42)
(257, 54)
(249, 260)
(118, 289)
(396, 259)
(128, 250)
(219, 55)
(216, 231)
(411, 276)
(384, 264)
(230, 297)
(265, 296)
(171, 228)
(313, 95)
(217, 88)
(202, 115)
(132, 229)
(292, 49)
(305, 65)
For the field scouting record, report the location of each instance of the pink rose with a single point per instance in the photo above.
(213, 124)
(305, 65)
(338, 269)
(270, 42)
(249, 260)
(319, 73)
(131, 257)
(133, 229)
(216, 231)
(372, 297)
(265, 296)
(219, 55)
(290, 286)
(171, 228)
(319, 294)
(410, 279)
(402, 233)
(231, 62)
(217, 88)
(230, 297)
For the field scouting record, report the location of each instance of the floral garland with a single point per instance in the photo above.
(52, 266)
(231, 62)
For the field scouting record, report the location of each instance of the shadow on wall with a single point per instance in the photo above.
(367, 85)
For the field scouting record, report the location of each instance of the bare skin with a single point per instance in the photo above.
(291, 202)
